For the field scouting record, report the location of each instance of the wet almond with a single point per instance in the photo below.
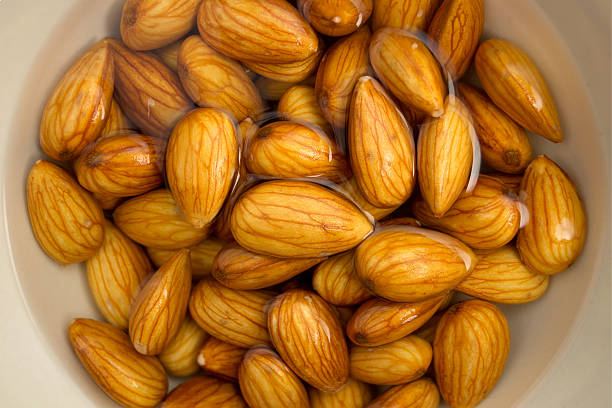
(204, 392)
(337, 282)
(336, 18)
(299, 104)
(354, 394)
(289, 71)
(179, 357)
(419, 394)
(404, 14)
(117, 123)
(221, 359)
(202, 256)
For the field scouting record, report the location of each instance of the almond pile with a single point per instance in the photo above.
(288, 195)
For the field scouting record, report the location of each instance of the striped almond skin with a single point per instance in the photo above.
(351, 191)
(129, 378)
(470, 351)
(336, 17)
(122, 165)
(405, 14)
(444, 156)
(289, 71)
(266, 381)
(221, 359)
(515, 85)
(335, 281)
(154, 220)
(213, 80)
(354, 394)
(159, 309)
(400, 362)
(67, 221)
(239, 268)
(202, 256)
(428, 330)
(233, 316)
(410, 71)
(308, 336)
(169, 54)
(180, 356)
(379, 321)
(115, 274)
(511, 181)
(204, 392)
(107, 202)
(299, 104)
(149, 24)
(297, 219)
(149, 92)
(488, 217)
(78, 107)
(268, 31)
(555, 234)
(273, 90)
(117, 123)
(342, 65)
(419, 394)
(381, 146)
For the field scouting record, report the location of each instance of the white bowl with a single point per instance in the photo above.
(560, 344)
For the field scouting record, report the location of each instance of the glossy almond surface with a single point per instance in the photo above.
(419, 394)
(336, 17)
(299, 104)
(202, 256)
(354, 394)
(204, 392)
(180, 355)
(336, 281)
(221, 359)
(288, 71)
(404, 14)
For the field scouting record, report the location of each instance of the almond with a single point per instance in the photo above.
(180, 355)
(169, 54)
(149, 24)
(400, 221)
(400, 362)
(266, 381)
(445, 155)
(414, 117)
(215, 81)
(344, 314)
(410, 71)
(381, 146)
(234, 316)
(336, 17)
(273, 90)
(129, 378)
(335, 281)
(122, 165)
(405, 14)
(419, 394)
(202, 256)
(554, 237)
(351, 190)
(238, 268)
(511, 181)
(67, 221)
(487, 217)
(107, 202)
(403, 263)
(454, 33)
(148, 92)
(504, 145)
(299, 104)
(204, 392)
(115, 274)
(514, 83)
(277, 218)
(268, 31)
(154, 220)
(221, 359)
(466, 375)
(308, 336)
(343, 64)
(289, 71)
(380, 321)
(354, 394)
(428, 330)
(287, 149)
(159, 309)
(76, 111)
(117, 123)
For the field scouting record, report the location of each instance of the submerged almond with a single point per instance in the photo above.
(336, 17)
(289, 71)
(404, 14)
(299, 104)
(354, 394)
(180, 355)
(337, 282)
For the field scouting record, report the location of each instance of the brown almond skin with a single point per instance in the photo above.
(266, 381)
(488, 217)
(67, 221)
(554, 236)
(268, 31)
(343, 64)
(405, 14)
(379, 321)
(454, 33)
(221, 359)
(234, 316)
(511, 181)
(158, 311)
(299, 104)
(76, 111)
(400, 362)
(335, 281)
(289, 71)
(444, 156)
(287, 149)
(354, 394)
(169, 54)
(201, 163)
(115, 274)
(149, 92)
(202, 256)
(129, 378)
(503, 144)
(179, 357)
(419, 394)
(466, 375)
(410, 71)
(391, 263)
(381, 146)
(204, 392)
(515, 84)
(336, 17)
(153, 220)
(273, 90)
(308, 336)
(116, 123)
(122, 165)
(351, 190)
(214, 81)
(238, 268)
